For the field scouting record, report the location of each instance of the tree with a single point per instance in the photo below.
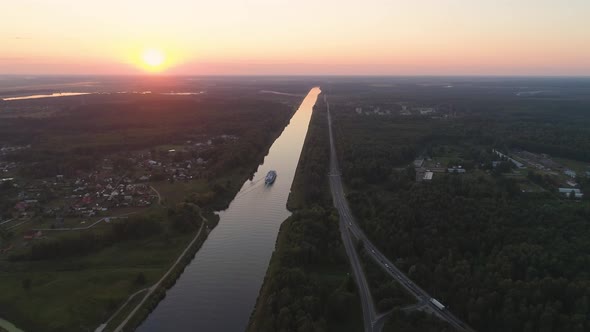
(140, 279)
(26, 283)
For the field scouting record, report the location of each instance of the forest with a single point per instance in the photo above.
(78, 138)
(499, 258)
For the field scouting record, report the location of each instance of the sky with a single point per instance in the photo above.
(303, 37)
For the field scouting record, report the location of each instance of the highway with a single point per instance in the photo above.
(348, 228)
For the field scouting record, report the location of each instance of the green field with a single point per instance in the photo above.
(79, 293)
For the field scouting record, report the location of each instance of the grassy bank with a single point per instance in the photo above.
(308, 286)
(77, 293)
(152, 301)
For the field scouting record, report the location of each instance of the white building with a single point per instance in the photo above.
(570, 173)
(568, 191)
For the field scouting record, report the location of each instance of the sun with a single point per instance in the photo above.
(153, 59)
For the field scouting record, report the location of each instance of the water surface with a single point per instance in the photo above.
(53, 95)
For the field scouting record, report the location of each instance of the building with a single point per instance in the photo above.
(568, 191)
(455, 169)
(515, 162)
(570, 173)
(32, 234)
(425, 110)
(428, 176)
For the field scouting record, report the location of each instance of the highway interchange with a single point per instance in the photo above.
(373, 321)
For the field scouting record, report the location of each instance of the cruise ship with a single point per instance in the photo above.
(270, 177)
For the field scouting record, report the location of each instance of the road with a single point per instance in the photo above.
(153, 288)
(368, 306)
(157, 193)
(349, 228)
(103, 326)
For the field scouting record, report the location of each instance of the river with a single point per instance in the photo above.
(218, 289)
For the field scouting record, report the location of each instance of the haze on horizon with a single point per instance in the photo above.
(281, 37)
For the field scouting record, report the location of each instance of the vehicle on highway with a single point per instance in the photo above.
(439, 305)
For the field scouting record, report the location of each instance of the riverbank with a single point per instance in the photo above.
(307, 284)
(128, 319)
(221, 284)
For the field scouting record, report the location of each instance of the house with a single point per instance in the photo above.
(456, 169)
(86, 199)
(568, 191)
(425, 110)
(570, 173)
(428, 176)
(21, 206)
(515, 162)
(32, 234)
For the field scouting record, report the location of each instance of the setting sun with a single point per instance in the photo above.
(153, 59)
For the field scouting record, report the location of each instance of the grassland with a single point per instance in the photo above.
(78, 293)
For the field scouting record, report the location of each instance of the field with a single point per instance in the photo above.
(79, 292)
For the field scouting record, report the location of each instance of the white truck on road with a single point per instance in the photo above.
(439, 305)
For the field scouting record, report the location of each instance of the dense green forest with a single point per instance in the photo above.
(79, 138)
(500, 259)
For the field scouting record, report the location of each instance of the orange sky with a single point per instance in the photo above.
(389, 37)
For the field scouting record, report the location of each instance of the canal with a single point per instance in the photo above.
(218, 289)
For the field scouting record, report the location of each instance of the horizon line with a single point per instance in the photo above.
(307, 75)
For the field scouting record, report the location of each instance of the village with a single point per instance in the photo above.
(119, 185)
(406, 109)
(534, 172)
